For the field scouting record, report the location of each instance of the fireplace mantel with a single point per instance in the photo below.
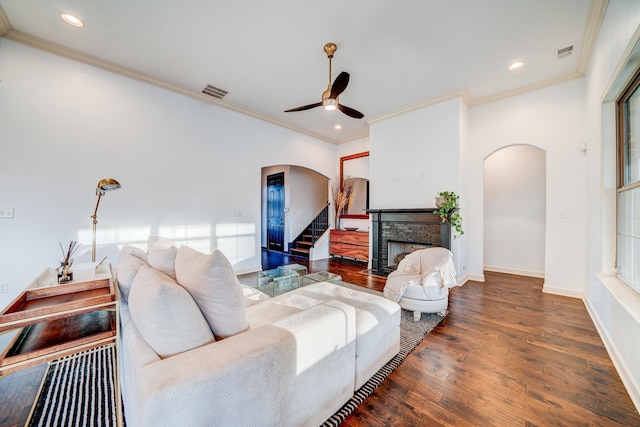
(415, 225)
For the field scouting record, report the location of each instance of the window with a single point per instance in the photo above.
(628, 223)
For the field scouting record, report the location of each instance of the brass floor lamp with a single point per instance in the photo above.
(106, 184)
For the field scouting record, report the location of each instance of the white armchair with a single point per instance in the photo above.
(422, 280)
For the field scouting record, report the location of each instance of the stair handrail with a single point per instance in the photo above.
(318, 226)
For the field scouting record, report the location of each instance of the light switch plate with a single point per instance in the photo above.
(6, 212)
(4, 287)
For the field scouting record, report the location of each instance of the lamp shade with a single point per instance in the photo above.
(108, 184)
(104, 185)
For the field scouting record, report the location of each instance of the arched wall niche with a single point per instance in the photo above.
(514, 188)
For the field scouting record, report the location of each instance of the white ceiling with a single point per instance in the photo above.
(269, 54)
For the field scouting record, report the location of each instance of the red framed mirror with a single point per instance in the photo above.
(357, 162)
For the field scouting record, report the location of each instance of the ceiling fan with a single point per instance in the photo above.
(330, 96)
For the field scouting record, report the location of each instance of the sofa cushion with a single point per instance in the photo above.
(376, 316)
(212, 283)
(253, 296)
(129, 262)
(161, 255)
(165, 314)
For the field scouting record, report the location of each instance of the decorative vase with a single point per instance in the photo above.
(65, 275)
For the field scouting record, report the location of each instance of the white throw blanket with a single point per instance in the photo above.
(413, 269)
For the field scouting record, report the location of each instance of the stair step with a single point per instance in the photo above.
(304, 242)
(301, 250)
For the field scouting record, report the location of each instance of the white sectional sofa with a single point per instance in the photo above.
(197, 348)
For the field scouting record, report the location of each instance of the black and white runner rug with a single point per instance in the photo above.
(411, 334)
(78, 390)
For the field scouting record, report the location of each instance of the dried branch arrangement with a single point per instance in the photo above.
(64, 271)
(342, 194)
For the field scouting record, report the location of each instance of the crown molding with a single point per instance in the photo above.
(56, 49)
(525, 89)
(353, 138)
(591, 30)
(5, 26)
(463, 94)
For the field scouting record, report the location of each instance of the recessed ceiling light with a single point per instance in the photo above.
(516, 66)
(71, 19)
(337, 127)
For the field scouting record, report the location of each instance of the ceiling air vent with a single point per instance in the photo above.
(565, 52)
(215, 92)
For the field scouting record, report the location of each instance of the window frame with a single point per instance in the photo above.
(622, 123)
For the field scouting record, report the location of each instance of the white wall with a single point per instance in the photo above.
(352, 147)
(514, 210)
(308, 198)
(614, 307)
(415, 156)
(186, 167)
(553, 120)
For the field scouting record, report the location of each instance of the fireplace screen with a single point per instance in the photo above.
(398, 250)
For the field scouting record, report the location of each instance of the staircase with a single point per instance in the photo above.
(301, 245)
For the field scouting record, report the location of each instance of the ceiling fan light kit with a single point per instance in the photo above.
(330, 96)
(330, 104)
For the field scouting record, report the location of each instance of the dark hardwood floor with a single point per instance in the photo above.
(506, 355)
(18, 391)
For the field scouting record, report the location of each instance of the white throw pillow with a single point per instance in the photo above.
(213, 284)
(129, 262)
(432, 286)
(165, 314)
(161, 255)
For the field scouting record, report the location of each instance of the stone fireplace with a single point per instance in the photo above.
(397, 232)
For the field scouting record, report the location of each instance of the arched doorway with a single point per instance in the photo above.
(301, 194)
(514, 210)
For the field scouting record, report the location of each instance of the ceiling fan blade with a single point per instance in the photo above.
(304, 107)
(350, 111)
(339, 84)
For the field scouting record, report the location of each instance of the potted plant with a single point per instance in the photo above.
(449, 210)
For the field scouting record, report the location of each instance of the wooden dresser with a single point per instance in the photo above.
(350, 244)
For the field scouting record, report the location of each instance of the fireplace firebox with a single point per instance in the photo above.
(396, 232)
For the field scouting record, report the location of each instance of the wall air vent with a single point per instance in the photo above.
(215, 92)
(565, 52)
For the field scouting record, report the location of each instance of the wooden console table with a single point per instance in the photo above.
(53, 320)
(351, 244)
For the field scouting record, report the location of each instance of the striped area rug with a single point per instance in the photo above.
(78, 390)
(411, 334)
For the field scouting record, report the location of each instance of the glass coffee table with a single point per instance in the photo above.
(286, 278)
(278, 281)
(321, 276)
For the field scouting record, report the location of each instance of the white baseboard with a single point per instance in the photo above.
(475, 277)
(516, 271)
(572, 293)
(618, 361)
